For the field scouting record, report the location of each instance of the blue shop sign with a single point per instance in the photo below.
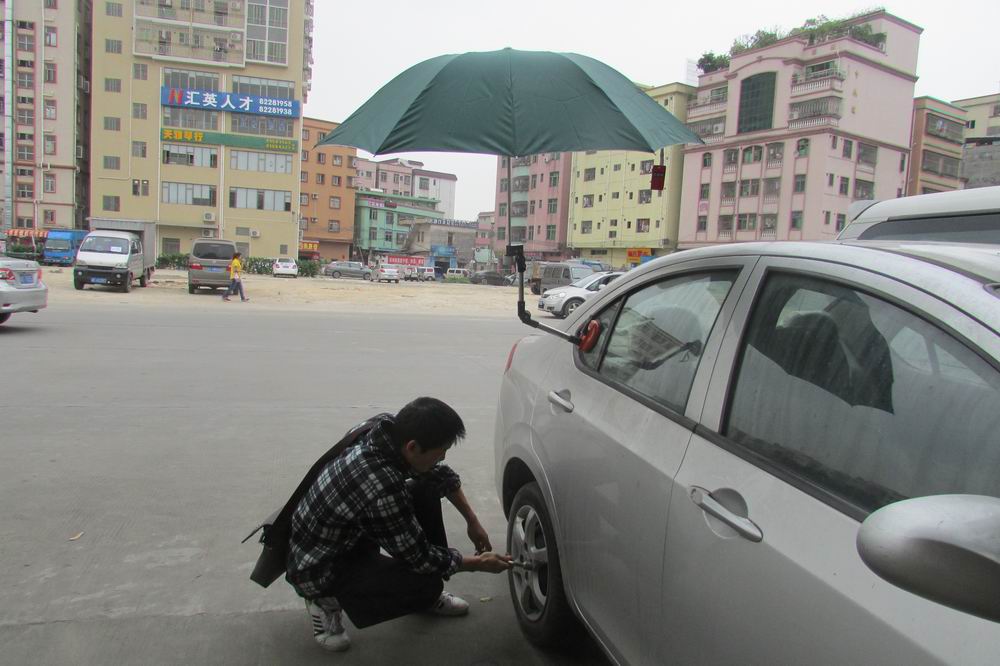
(211, 100)
(442, 250)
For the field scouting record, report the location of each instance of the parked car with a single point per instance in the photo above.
(696, 480)
(487, 277)
(285, 266)
(21, 287)
(354, 269)
(419, 273)
(209, 264)
(456, 273)
(387, 274)
(962, 216)
(116, 253)
(562, 273)
(426, 273)
(562, 301)
(512, 279)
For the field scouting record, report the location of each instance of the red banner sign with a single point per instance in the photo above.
(402, 260)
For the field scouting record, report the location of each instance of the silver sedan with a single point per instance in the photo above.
(779, 453)
(562, 301)
(21, 287)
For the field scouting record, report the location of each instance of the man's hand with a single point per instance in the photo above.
(488, 562)
(480, 539)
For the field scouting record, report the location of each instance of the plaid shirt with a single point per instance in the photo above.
(363, 494)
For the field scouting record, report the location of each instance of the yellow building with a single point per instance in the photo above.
(615, 217)
(935, 147)
(982, 115)
(197, 117)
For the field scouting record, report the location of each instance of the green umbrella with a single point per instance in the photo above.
(510, 103)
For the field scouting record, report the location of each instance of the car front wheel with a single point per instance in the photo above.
(536, 588)
(571, 306)
(336, 274)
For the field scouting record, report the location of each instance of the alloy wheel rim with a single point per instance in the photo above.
(573, 305)
(528, 546)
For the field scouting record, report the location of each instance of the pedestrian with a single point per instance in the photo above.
(385, 493)
(235, 269)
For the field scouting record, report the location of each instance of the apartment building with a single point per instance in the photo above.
(796, 130)
(445, 243)
(981, 152)
(615, 216)
(46, 111)
(935, 147)
(436, 185)
(326, 200)
(485, 255)
(383, 222)
(539, 192)
(197, 119)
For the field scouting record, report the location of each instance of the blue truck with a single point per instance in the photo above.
(61, 246)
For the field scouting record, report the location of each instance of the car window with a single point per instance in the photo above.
(863, 399)
(579, 272)
(659, 335)
(978, 228)
(212, 251)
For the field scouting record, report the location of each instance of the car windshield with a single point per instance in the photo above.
(56, 244)
(104, 244)
(585, 281)
(212, 251)
(285, 261)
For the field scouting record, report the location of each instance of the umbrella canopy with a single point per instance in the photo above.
(510, 102)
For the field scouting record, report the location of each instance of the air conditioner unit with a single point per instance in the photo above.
(208, 233)
(208, 217)
(254, 233)
(718, 128)
(314, 196)
(86, 86)
(79, 152)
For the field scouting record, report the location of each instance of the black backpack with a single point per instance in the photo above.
(277, 528)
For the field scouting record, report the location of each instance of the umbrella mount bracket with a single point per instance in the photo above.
(517, 252)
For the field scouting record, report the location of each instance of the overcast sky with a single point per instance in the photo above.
(357, 49)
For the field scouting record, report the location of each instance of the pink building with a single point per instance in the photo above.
(540, 205)
(797, 131)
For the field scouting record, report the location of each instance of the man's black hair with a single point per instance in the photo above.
(431, 422)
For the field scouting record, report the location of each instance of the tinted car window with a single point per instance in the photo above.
(212, 251)
(659, 336)
(863, 399)
(983, 228)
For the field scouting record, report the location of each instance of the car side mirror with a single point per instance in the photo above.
(945, 548)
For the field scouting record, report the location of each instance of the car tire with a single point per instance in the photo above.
(144, 279)
(127, 287)
(571, 305)
(192, 289)
(336, 274)
(78, 285)
(4, 317)
(539, 599)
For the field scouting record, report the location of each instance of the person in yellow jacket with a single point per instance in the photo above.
(235, 279)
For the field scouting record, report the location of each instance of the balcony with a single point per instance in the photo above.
(727, 201)
(828, 120)
(164, 49)
(729, 167)
(706, 107)
(520, 162)
(768, 234)
(826, 80)
(714, 138)
(156, 10)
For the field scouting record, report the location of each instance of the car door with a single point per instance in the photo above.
(135, 258)
(611, 428)
(830, 398)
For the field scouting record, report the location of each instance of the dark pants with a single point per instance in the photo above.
(235, 286)
(373, 588)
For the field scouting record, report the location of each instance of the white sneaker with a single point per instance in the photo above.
(449, 605)
(328, 628)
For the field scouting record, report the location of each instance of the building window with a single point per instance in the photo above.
(26, 43)
(112, 46)
(140, 71)
(553, 178)
(388, 236)
(25, 116)
(826, 217)
(140, 188)
(191, 194)
(259, 199)
(335, 203)
(49, 217)
(796, 219)
(553, 206)
(190, 79)
(305, 155)
(586, 226)
(642, 225)
(939, 164)
(646, 166)
(243, 123)
(848, 150)
(752, 154)
(902, 162)
(335, 181)
(50, 72)
(320, 158)
(645, 196)
(25, 80)
(867, 154)
(138, 149)
(112, 162)
(864, 189)
(112, 203)
(946, 129)
(48, 183)
(726, 223)
(51, 36)
(112, 85)
(702, 223)
(704, 191)
(501, 233)
(746, 221)
(799, 185)
(757, 102)
(550, 232)
(845, 185)
(589, 174)
(750, 188)
(775, 153)
(184, 155)
(841, 221)
(112, 124)
(50, 109)
(320, 179)
(588, 200)
(139, 110)
(802, 148)
(26, 190)
(706, 159)
(113, 8)
(303, 176)
(333, 226)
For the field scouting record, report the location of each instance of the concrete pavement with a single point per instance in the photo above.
(163, 435)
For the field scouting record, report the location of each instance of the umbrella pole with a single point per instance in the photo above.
(517, 252)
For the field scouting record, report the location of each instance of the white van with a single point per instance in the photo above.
(456, 273)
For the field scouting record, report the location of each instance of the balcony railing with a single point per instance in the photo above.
(725, 235)
(773, 164)
(713, 138)
(771, 197)
(821, 75)
(232, 56)
(520, 162)
(729, 167)
(706, 107)
(768, 234)
(151, 9)
(830, 120)
(727, 201)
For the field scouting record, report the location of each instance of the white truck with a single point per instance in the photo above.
(116, 253)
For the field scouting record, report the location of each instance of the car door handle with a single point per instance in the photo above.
(561, 400)
(745, 527)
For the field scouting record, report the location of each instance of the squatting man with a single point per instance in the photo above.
(385, 493)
